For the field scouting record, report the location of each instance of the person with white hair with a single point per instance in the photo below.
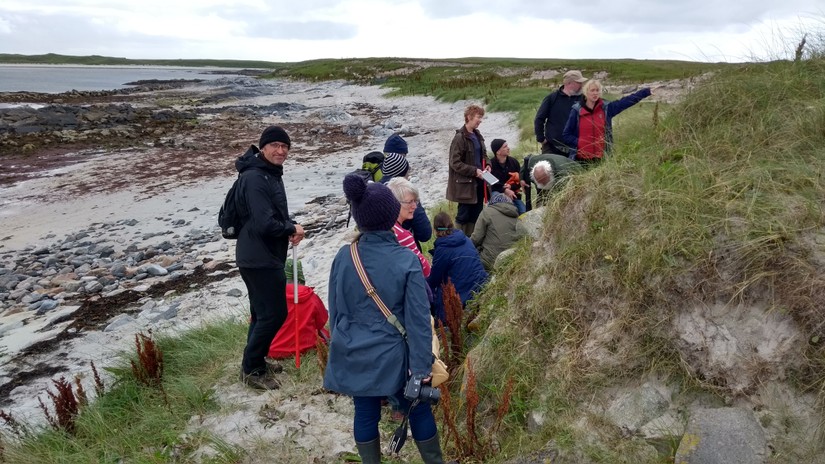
(396, 166)
(406, 194)
(548, 172)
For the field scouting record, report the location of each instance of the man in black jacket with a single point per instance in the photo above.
(261, 250)
(554, 111)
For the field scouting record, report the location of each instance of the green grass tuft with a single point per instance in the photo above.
(133, 423)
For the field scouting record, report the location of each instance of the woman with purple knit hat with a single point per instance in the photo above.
(369, 359)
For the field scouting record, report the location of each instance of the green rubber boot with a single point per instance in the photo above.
(430, 450)
(370, 451)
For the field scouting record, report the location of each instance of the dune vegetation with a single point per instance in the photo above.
(716, 204)
(712, 205)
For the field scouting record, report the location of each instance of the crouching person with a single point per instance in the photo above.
(368, 356)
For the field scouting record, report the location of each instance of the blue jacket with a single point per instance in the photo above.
(571, 129)
(264, 238)
(367, 355)
(455, 258)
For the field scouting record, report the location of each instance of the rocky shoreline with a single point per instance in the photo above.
(109, 229)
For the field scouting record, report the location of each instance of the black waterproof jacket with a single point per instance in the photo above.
(264, 237)
(551, 117)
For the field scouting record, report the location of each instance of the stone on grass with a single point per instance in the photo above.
(729, 435)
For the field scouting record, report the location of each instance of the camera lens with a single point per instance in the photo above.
(430, 394)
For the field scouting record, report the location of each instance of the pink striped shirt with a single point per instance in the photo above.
(406, 239)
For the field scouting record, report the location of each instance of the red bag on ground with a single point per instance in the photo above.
(312, 317)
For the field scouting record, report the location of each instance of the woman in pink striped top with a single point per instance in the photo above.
(407, 195)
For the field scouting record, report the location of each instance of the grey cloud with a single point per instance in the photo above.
(633, 16)
(281, 20)
(32, 33)
(301, 30)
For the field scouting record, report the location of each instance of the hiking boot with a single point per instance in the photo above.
(260, 381)
(273, 367)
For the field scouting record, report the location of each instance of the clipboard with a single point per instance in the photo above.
(489, 178)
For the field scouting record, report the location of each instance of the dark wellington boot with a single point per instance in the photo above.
(370, 451)
(430, 450)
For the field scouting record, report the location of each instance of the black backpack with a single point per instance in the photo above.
(229, 217)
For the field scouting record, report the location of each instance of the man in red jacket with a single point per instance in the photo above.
(310, 312)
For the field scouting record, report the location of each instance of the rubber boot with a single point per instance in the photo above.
(430, 450)
(370, 451)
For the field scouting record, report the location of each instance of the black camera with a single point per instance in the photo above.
(415, 390)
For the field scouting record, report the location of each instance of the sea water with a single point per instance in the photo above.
(64, 78)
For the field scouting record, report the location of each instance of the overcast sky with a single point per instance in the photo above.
(296, 30)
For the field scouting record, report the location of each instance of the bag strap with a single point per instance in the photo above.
(362, 273)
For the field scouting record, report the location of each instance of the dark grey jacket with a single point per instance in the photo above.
(552, 116)
(461, 177)
(264, 237)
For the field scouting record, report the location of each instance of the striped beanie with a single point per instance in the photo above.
(395, 165)
(499, 197)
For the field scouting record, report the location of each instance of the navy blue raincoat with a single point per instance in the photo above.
(367, 354)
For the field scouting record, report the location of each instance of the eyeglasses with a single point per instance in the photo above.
(409, 202)
(279, 146)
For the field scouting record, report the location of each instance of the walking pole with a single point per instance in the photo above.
(295, 300)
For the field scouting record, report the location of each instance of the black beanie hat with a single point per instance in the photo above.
(374, 207)
(274, 134)
(496, 145)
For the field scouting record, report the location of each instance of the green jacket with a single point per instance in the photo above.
(497, 229)
(562, 167)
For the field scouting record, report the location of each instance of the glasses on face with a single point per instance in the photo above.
(408, 202)
(280, 146)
